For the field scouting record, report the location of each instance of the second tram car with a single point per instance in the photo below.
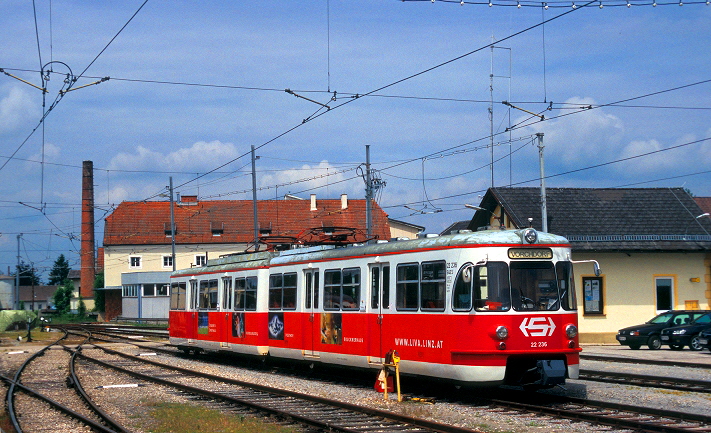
(477, 308)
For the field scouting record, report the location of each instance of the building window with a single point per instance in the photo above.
(664, 293)
(168, 261)
(134, 262)
(593, 295)
(131, 290)
(200, 260)
(149, 290)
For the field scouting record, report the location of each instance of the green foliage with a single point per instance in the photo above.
(99, 295)
(81, 308)
(63, 296)
(180, 418)
(59, 272)
(28, 274)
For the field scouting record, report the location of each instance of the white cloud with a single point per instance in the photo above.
(201, 156)
(590, 136)
(16, 108)
(330, 181)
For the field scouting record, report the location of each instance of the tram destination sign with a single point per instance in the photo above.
(530, 253)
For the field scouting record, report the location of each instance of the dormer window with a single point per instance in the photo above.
(166, 229)
(217, 229)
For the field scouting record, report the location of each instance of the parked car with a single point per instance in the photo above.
(650, 333)
(686, 335)
(705, 339)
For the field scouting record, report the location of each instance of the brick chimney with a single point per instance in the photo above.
(88, 263)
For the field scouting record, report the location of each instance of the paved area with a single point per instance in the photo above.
(663, 354)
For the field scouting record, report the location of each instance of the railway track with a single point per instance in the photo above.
(317, 412)
(336, 418)
(607, 414)
(37, 398)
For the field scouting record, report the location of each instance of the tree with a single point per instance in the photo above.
(63, 297)
(99, 295)
(59, 272)
(28, 275)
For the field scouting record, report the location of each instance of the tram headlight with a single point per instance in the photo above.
(502, 332)
(571, 331)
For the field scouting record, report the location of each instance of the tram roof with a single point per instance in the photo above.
(320, 252)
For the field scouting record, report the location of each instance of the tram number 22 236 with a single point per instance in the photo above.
(535, 344)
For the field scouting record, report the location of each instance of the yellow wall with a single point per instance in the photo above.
(116, 259)
(630, 292)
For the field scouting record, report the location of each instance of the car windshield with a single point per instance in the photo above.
(662, 318)
(703, 319)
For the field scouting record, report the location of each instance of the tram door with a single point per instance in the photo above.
(312, 321)
(225, 313)
(379, 305)
(192, 324)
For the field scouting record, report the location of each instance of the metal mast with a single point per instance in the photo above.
(544, 210)
(254, 202)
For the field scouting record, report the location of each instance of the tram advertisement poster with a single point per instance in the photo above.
(203, 324)
(238, 325)
(276, 326)
(331, 331)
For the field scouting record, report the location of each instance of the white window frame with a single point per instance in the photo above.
(169, 259)
(139, 265)
(672, 294)
(200, 259)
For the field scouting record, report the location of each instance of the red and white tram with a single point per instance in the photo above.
(477, 308)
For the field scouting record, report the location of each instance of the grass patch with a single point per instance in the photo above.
(181, 418)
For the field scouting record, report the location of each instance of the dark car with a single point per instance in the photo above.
(650, 333)
(705, 339)
(686, 335)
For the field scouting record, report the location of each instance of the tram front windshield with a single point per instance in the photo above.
(534, 287)
(523, 286)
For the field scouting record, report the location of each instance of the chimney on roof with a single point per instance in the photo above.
(313, 202)
(344, 201)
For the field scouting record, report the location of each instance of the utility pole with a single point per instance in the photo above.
(491, 111)
(172, 225)
(17, 276)
(544, 210)
(254, 201)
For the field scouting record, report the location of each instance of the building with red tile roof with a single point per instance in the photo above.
(138, 243)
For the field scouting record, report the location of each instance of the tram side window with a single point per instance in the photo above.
(245, 294)
(432, 286)
(311, 289)
(341, 289)
(177, 296)
(282, 291)
(207, 299)
(566, 285)
(351, 289)
(227, 293)
(491, 287)
(193, 295)
(486, 288)
(407, 286)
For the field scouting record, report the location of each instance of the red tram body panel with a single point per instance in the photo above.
(476, 308)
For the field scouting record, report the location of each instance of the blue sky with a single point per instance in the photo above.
(194, 84)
